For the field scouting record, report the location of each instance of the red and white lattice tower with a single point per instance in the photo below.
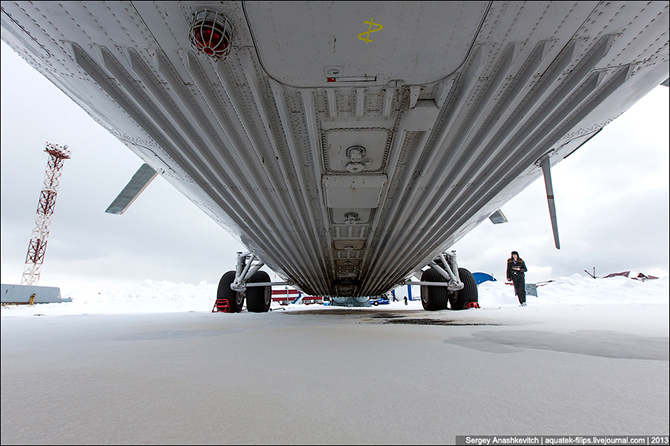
(45, 210)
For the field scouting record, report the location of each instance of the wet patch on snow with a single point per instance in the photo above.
(606, 344)
(352, 312)
(374, 316)
(453, 322)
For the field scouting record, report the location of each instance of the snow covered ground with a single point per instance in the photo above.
(152, 364)
(167, 297)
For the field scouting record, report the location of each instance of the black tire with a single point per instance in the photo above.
(433, 298)
(259, 297)
(235, 299)
(468, 294)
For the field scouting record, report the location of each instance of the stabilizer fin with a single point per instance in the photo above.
(133, 189)
(546, 171)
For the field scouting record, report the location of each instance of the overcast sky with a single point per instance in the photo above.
(611, 200)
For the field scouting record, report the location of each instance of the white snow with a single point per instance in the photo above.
(168, 297)
(152, 364)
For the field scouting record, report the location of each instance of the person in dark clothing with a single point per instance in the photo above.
(516, 268)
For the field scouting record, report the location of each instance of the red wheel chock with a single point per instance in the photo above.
(471, 305)
(221, 305)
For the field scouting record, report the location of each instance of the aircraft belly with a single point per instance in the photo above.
(297, 41)
(346, 144)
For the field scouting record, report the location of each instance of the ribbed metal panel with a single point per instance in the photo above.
(269, 159)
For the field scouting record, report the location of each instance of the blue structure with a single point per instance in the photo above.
(380, 300)
(483, 277)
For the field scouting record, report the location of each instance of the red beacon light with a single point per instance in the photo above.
(211, 34)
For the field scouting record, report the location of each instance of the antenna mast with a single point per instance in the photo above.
(45, 209)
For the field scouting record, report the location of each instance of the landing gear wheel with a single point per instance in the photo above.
(259, 297)
(433, 298)
(235, 299)
(468, 294)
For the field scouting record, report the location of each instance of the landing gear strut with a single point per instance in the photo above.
(247, 281)
(445, 283)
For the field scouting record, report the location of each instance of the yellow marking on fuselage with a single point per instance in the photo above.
(366, 39)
